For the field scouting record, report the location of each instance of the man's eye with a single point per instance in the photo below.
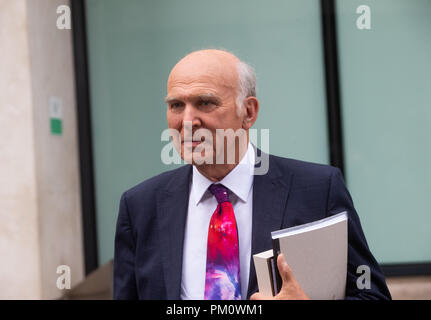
(175, 105)
(206, 103)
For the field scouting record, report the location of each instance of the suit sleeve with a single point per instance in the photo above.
(359, 254)
(124, 256)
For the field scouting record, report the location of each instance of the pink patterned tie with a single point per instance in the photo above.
(222, 279)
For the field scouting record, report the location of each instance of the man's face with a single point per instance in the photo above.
(202, 91)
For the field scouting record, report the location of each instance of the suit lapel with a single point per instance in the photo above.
(270, 192)
(172, 213)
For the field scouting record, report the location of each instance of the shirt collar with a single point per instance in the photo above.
(239, 180)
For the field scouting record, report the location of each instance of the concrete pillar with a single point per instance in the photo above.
(40, 211)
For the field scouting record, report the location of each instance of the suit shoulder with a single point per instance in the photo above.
(305, 168)
(154, 184)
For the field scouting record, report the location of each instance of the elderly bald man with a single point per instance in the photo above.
(190, 233)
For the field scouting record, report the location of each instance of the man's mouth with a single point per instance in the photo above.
(192, 143)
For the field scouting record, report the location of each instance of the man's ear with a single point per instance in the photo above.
(251, 109)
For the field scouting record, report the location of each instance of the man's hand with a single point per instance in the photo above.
(290, 289)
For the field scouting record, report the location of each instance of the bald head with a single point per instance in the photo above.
(221, 67)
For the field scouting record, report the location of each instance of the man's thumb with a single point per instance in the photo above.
(283, 268)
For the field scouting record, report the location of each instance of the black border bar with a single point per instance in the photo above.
(84, 135)
(335, 133)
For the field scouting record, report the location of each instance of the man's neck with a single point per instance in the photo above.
(216, 172)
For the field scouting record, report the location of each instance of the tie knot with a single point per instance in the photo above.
(220, 192)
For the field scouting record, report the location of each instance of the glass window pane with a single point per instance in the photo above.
(134, 44)
(386, 100)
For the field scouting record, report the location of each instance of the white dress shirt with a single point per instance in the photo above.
(202, 205)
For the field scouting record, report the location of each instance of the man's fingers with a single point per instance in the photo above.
(259, 296)
(256, 296)
(290, 290)
(283, 268)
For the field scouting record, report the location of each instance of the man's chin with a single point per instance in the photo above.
(197, 158)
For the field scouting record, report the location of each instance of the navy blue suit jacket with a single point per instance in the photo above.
(152, 216)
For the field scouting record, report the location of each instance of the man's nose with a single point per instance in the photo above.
(191, 114)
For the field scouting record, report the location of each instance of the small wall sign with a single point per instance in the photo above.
(56, 115)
